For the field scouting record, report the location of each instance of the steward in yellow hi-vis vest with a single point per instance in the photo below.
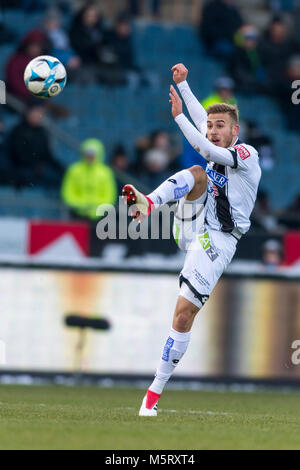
(89, 182)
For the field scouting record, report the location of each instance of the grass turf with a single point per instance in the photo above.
(59, 417)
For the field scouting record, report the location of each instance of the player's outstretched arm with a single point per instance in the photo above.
(200, 143)
(195, 109)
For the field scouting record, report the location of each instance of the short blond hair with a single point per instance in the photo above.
(219, 108)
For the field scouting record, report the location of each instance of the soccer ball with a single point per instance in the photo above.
(45, 76)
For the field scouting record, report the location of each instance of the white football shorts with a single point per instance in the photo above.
(188, 221)
(208, 252)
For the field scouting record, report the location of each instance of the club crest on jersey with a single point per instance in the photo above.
(212, 188)
(217, 178)
(242, 151)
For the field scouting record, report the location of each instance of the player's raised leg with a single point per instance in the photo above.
(200, 186)
(174, 349)
(175, 187)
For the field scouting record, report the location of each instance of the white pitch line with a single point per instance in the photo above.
(191, 412)
(197, 412)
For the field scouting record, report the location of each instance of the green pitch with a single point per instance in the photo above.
(57, 417)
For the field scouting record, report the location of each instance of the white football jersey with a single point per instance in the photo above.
(231, 191)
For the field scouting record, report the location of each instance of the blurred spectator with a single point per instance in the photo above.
(86, 36)
(290, 217)
(275, 48)
(262, 216)
(246, 66)
(120, 163)
(118, 56)
(220, 21)
(224, 93)
(272, 255)
(263, 143)
(29, 152)
(89, 182)
(119, 159)
(156, 163)
(60, 46)
(32, 45)
(155, 158)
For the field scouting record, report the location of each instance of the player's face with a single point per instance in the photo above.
(220, 130)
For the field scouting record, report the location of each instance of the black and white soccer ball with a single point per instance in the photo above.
(45, 76)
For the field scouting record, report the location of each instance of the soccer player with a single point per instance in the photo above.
(227, 189)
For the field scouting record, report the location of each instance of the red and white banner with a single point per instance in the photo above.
(58, 239)
(44, 239)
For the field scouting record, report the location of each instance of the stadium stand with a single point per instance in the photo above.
(132, 113)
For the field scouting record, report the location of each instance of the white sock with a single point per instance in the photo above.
(174, 187)
(174, 349)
